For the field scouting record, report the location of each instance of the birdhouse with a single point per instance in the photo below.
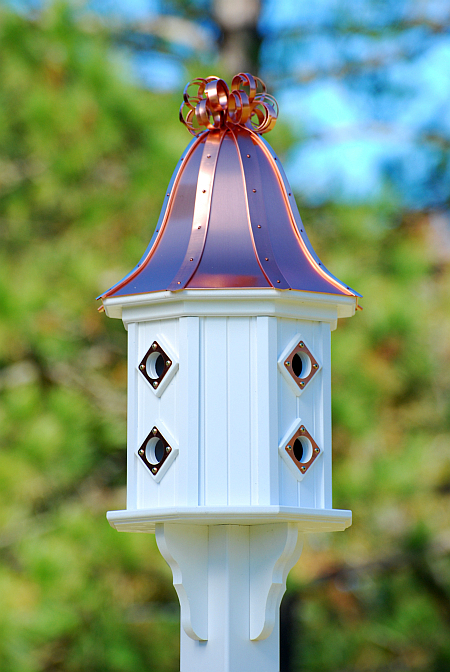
(229, 316)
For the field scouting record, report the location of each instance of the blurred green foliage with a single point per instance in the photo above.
(85, 158)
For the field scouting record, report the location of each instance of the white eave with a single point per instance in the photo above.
(308, 520)
(291, 304)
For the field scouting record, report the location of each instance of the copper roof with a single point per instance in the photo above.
(229, 218)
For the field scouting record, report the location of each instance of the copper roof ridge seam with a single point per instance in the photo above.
(281, 280)
(140, 267)
(247, 209)
(319, 268)
(202, 211)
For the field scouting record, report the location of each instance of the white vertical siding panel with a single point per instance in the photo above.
(327, 443)
(238, 364)
(201, 415)
(254, 449)
(143, 395)
(167, 333)
(287, 414)
(216, 412)
(266, 346)
(187, 431)
(306, 412)
(148, 416)
(132, 419)
(317, 419)
(288, 485)
(142, 475)
(313, 403)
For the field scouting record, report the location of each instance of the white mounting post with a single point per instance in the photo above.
(230, 580)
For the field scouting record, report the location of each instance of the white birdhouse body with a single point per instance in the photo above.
(240, 418)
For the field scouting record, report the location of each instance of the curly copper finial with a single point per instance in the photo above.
(214, 106)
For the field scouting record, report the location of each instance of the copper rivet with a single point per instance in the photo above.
(289, 447)
(154, 470)
(278, 281)
(303, 468)
(204, 191)
(168, 363)
(178, 283)
(248, 156)
(290, 194)
(155, 384)
(254, 191)
(154, 346)
(167, 194)
(168, 449)
(259, 226)
(154, 430)
(142, 367)
(157, 230)
(199, 227)
(287, 363)
(315, 366)
(208, 156)
(302, 384)
(141, 451)
(267, 258)
(301, 344)
(302, 429)
(191, 259)
(316, 450)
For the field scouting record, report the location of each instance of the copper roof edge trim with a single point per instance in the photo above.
(164, 216)
(224, 292)
(285, 189)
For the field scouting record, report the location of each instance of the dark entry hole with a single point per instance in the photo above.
(301, 365)
(155, 365)
(302, 449)
(155, 451)
(159, 366)
(298, 448)
(297, 365)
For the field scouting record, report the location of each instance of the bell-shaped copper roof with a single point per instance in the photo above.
(229, 219)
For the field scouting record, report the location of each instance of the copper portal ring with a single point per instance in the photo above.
(213, 105)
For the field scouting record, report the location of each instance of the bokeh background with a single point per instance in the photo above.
(89, 136)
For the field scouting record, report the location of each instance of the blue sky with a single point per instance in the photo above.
(354, 140)
(361, 135)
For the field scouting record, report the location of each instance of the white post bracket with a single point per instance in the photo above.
(274, 550)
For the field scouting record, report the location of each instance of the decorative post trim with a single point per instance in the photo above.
(185, 549)
(274, 550)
